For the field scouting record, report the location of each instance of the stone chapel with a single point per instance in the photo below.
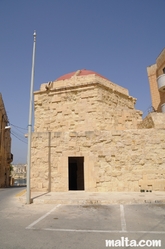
(88, 136)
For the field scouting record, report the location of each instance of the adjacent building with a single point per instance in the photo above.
(89, 136)
(156, 75)
(18, 174)
(6, 157)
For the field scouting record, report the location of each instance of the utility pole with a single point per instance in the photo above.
(28, 197)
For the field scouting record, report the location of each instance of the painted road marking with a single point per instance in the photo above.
(96, 231)
(123, 226)
(42, 217)
(21, 193)
(122, 216)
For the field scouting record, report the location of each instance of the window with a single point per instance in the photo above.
(164, 70)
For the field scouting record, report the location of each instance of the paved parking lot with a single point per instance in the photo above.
(80, 226)
(91, 225)
(108, 218)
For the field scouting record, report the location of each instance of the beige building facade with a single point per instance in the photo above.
(6, 157)
(89, 136)
(156, 75)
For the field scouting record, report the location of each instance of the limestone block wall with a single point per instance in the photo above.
(84, 80)
(153, 120)
(40, 160)
(127, 160)
(84, 108)
(116, 111)
(66, 110)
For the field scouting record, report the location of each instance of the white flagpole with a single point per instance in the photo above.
(28, 197)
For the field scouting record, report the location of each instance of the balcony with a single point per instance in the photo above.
(161, 83)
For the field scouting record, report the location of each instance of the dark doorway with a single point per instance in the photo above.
(76, 173)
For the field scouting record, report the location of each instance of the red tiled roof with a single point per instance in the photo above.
(81, 73)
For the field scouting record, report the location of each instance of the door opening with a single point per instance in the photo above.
(76, 173)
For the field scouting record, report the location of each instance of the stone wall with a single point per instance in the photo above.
(153, 120)
(83, 108)
(91, 117)
(127, 160)
(66, 110)
(83, 81)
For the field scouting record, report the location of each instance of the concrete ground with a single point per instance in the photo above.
(104, 198)
(91, 226)
(85, 225)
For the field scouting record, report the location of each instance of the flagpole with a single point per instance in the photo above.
(28, 194)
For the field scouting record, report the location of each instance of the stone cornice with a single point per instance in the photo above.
(82, 80)
(82, 87)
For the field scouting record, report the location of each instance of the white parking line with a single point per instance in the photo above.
(42, 217)
(122, 216)
(99, 231)
(79, 230)
(123, 226)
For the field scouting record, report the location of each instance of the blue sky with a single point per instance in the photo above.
(116, 38)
